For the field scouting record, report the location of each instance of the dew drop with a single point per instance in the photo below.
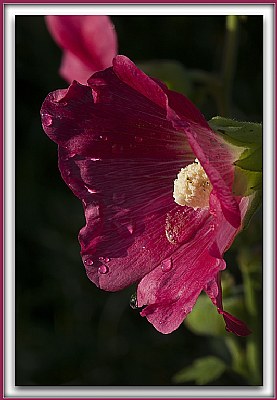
(101, 258)
(47, 119)
(107, 259)
(130, 227)
(166, 265)
(88, 262)
(170, 237)
(103, 269)
(103, 137)
(133, 301)
(92, 191)
(138, 139)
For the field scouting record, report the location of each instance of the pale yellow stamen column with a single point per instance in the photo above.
(192, 187)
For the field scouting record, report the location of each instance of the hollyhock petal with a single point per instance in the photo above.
(215, 157)
(170, 293)
(99, 122)
(217, 160)
(224, 239)
(169, 296)
(127, 209)
(91, 39)
(184, 108)
(122, 140)
(233, 324)
(225, 232)
(128, 73)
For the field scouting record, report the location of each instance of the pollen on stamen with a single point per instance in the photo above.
(192, 187)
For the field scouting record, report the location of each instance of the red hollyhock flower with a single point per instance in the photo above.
(89, 43)
(123, 139)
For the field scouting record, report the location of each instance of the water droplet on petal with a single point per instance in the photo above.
(101, 258)
(88, 262)
(47, 119)
(130, 227)
(92, 191)
(170, 237)
(103, 269)
(133, 301)
(138, 139)
(107, 259)
(166, 265)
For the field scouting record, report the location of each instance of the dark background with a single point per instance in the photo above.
(68, 332)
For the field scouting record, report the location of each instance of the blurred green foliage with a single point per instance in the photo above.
(68, 332)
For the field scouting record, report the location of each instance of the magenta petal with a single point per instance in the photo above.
(225, 231)
(128, 73)
(122, 140)
(89, 38)
(217, 160)
(125, 207)
(233, 324)
(170, 293)
(98, 122)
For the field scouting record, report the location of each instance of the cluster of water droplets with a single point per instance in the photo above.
(102, 268)
(47, 119)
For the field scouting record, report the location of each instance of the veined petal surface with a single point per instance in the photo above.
(122, 140)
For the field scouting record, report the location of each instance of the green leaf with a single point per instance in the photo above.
(172, 72)
(237, 132)
(246, 137)
(205, 320)
(202, 371)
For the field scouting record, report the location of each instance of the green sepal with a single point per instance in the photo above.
(237, 132)
(245, 140)
(248, 183)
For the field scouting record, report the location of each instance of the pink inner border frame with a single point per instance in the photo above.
(204, 2)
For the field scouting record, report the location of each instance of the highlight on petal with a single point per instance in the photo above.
(123, 138)
(89, 43)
